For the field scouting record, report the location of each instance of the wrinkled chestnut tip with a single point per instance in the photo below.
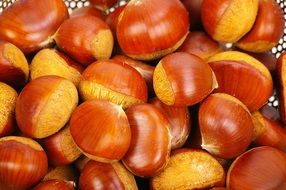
(52, 62)
(218, 16)
(183, 79)
(55, 184)
(281, 73)
(185, 162)
(259, 168)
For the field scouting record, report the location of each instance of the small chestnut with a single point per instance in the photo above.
(54, 185)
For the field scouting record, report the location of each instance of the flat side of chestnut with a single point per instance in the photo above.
(51, 62)
(281, 70)
(65, 173)
(187, 169)
(54, 185)
(267, 30)
(259, 168)
(34, 33)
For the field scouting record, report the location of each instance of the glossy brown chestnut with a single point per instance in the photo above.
(187, 169)
(55, 185)
(226, 126)
(148, 30)
(268, 59)
(8, 97)
(114, 81)
(85, 38)
(103, 4)
(281, 73)
(258, 168)
(179, 122)
(60, 148)
(23, 163)
(242, 76)
(31, 24)
(150, 145)
(65, 173)
(112, 19)
(80, 162)
(52, 62)
(201, 45)
(113, 176)
(194, 9)
(88, 10)
(267, 30)
(101, 130)
(183, 79)
(44, 106)
(227, 21)
(145, 70)
(268, 132)
(14, 69)
(270, 112)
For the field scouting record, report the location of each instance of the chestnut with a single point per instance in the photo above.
(88, 10)
(270, 112)
(187, 169)
(243, 77)
(80, 162)
(268, 59)
(194, 9)
(44, 106)
(281, 70)
(150, 145)
(52, 62)
(113, 17)
(103, 4)
(85, 38)
(228, 21)
(183, 79)
(14, 68)
(149, 29)
(60, 148)
(65, 173)
(201, 45)
(267, 30)
(226, 126)
(259, 168)
(111, 176)
(30, 25)
(55, 185)
(179, 122)
(101, 130)
(8, 97)
(23, 163)
(113, 81)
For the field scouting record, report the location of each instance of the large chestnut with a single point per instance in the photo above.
(14, 69)
(44, 106)
(183, 79)
(31, 24)
(54, 185)
(23, 163)
(150, 143)
(101, 130)
(189, 169)
(149, 29)
(243, 77)
(228, 20)
(113, 176)
(114, 81)
(85, 38)
(259, 168)
(267, 30)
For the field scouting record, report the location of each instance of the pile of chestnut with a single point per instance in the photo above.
(155, 94)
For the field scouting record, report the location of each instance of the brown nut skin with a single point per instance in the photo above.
(102, 4)
(183, 79)
(113, 176)
(44, 106)
(194, 9)
(88, 10)
(8, 98)
(267, 30)
(268, 59)
(54, 185)
(65, 173)
(270, 112)
(149, 128)
(179, 122)
(281, 70)
(85, 38)
(227, 21)
(31, 24)
(234, 70)
(52, 62)
(101, 130)
(201, 45)
(268, 132)
(259, 168)
(192, 164)
(60, 148)
(148, 30)
(112, 19)
(14, 68)
(114, 81)
(23, 163)
(226, 126)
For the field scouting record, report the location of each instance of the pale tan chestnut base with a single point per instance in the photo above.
(256, 47)
(102, 45)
